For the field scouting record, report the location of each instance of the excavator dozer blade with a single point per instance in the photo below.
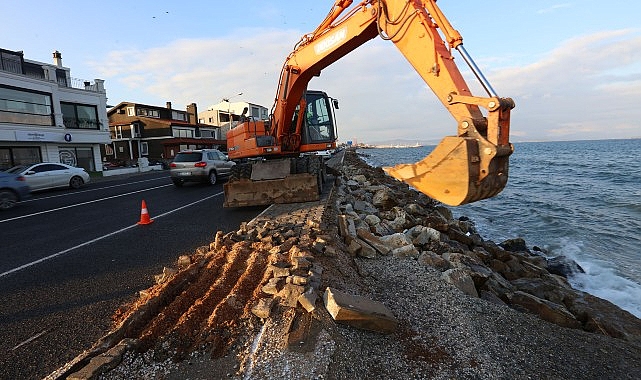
(456, 173)
(291, 189)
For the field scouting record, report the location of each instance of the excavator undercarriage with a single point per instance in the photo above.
(286, 180)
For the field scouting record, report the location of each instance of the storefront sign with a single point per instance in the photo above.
(38, 136)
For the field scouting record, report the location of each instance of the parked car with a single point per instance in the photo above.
(49, 175)
(203, 165)
(13, 189)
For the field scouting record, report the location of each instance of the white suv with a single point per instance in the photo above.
(202, 165)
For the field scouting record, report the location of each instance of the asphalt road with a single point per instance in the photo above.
(70, 258)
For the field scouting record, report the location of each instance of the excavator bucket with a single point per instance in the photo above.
(459, 170)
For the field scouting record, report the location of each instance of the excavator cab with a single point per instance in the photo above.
(319, 127)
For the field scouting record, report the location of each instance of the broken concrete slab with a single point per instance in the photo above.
(359, 311)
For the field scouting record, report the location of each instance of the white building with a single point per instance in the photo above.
(48, 116)
(221, 113)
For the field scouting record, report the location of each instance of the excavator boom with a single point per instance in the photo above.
(470, 166)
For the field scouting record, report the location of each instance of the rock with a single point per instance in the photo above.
(272, 286)
(183, 261)
(346, 226)
(415, 209)
(372, 220)
(563, 266)
(360, 179)
(546, 310)
(426, 236)
(514, 245)
(308, 300)
(408, 251)
(491, 297)
(288, 295)
(374, 241)
(359, 312)
(300, 263)
(384, 199)
(396, 240)
(603, 317)
(364, 207)
(280, 271)
(432, 259)
(263, 308)
(366, 250)
(444, 212)
(462, 280)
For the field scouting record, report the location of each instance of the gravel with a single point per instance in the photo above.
(442, 334)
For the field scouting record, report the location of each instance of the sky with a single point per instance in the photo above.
(572, 67)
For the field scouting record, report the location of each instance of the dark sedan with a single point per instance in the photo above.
(13, 189)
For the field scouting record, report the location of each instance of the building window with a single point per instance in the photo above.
(176, 115)
(182, 132)
(12, 156)
(25, 107)
(144, 148)
(79, 116)
(11, 61)
(130, 111)
(148, 112)
(77, 156)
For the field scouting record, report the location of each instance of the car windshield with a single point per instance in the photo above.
(188, 157)
(16, 169)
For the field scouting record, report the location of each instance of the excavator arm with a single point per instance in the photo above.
(470, 166)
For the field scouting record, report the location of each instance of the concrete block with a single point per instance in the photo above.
(359, 311)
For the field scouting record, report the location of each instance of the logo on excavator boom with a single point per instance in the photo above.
(330, 41)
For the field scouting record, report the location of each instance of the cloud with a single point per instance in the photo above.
(575, 91)
(553, 8)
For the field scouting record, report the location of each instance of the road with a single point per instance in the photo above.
(69, 259)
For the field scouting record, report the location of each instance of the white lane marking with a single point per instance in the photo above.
(82, 203)
(30, 339)
(90, 190)
(21, 267)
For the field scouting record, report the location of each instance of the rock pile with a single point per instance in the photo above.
(379, 216)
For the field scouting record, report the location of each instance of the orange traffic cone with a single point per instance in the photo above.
(144, 215)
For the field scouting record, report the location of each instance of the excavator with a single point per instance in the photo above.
(275, 157)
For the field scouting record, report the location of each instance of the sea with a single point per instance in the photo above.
(579, 199)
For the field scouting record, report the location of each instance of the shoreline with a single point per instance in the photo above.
(444, 329)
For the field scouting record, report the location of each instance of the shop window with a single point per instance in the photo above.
(79, 116)
(25, 107)
(81, 157)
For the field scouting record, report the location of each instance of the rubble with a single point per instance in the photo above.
(262, 282)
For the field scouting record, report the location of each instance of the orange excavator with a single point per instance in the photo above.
(274, 160)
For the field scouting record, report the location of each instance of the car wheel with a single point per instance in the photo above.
(75, 182)
(177, 182)
(213, 178)
(8, 199)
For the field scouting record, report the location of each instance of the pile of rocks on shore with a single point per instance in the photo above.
(380, 216)
(453, 293)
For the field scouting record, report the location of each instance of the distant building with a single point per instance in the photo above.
(48, 116)
(225, 114)
(157, 133)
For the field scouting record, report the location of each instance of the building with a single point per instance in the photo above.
(48, 116)
(156, 133)
(222, 113)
